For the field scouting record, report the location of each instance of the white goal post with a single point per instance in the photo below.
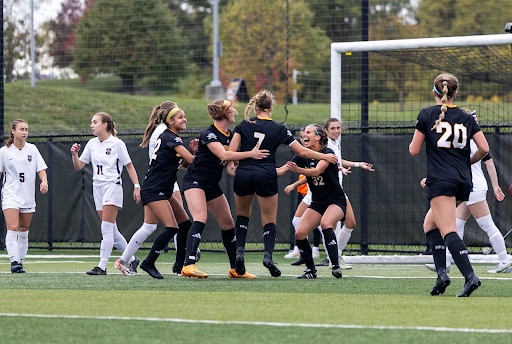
(338, 49)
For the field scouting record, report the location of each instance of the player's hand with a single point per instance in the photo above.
(257, 153)
(289, 188)
(345, 171)
(366, 166)
(75, 148)
(498, 193)
(331, 158)
(193, 145)
(136, 195)
(423, 183)
(292, 166)
(43, 187)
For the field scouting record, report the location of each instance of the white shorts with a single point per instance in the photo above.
(20, 210)
(476, 196)
(307, 199)
(176, 187)
(108, 193)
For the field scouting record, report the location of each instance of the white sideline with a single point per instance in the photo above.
(261, 323)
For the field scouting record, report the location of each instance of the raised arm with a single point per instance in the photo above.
(226, 155)
(307, 153)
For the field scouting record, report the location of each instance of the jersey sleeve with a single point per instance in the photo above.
(86, 154)
(421, 122)
(286, 136)
(2, 156)
(123, 155)
(40, 163)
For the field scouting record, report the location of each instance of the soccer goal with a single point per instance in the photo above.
(377, 89)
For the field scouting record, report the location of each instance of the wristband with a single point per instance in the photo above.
(356, 164)
(136, 186)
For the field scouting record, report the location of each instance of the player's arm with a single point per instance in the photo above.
(307, 153)
(77, 163)
(308, 172)
(416, 143)
(493, 176)
(185, 154)
(363, 165)
(43, 187)
(135, 180)
(483, 147)
(226, 155)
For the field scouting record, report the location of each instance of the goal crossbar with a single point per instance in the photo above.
(338, 49)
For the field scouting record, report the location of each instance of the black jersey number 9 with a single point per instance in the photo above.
(460, 135)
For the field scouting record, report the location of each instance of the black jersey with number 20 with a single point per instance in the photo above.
(447, 146)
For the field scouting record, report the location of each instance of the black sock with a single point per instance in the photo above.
(438, 248)
(331, 245)
(229, 241)
(306, 253)
(193, 240)
(181, 241)
(160, 243)
(269, 238)
(459, 253)
(241, 225)
(317, 237)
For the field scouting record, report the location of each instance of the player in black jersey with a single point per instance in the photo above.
(157, 188)
(328, 205)
(447, 131)
(202, 190)
(259, 176)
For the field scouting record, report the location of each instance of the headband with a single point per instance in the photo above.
(172, 113)
(435, 90)
(314, 127)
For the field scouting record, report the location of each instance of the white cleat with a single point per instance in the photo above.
(501, 268)
(292, 255)
(124, 268)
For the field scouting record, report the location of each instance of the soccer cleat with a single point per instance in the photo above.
(134, 264)
(316, 254)
(442, 282)
(151, 270)
(336, 271)
(343, 265)
(292, 255)
(272, 268)
(324, 262)
(298, 262)
(176, 268)
(470, 286)
(308, 273)
(232, 274)
(240, 264)
(17, 268)
(192, 271)
(125, 269)
(432, 267)
(97, 271)
(501, 268)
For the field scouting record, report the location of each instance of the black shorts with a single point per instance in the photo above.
(148, 196)
(321, 207)
(211, 191)
(449, 188)
(262, 183)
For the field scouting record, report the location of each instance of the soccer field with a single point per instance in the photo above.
(56, 302)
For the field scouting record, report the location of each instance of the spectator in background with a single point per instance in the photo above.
(20, 162)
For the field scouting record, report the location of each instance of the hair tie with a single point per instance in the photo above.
(172, 113)
(226, 103)
(435, 89)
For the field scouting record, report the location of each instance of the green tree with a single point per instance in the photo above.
(253, 34)
(133, 39)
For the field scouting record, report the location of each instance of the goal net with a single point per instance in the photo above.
(377, 89)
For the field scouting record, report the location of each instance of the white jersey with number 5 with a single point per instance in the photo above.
(108, 159)
(19, 168)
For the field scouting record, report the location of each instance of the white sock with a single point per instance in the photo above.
(107, 243)
(22, 246)
(137, 239)
(315, 249)
(11, 243)
(119, 240)
(495, 237)
(343, 237)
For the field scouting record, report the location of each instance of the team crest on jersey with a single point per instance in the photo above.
(211, 136)
(108, 151)
(178, 139)
(289, 133)
(29, 158)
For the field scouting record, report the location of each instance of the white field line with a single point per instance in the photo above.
(261, 323)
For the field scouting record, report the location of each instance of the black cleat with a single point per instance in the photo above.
(324, 262)
(470, 286)
(298, 262)
(176, 268)
(151, 270)
(134, 264)
(240, 264)
(17, 268)
(336, 271)
(442, 282)
(272, 268)
(97, 271)
(308, 274)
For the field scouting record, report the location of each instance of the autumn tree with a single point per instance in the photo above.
(254, 35)
(132, 39)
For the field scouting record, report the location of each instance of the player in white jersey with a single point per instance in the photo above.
(333, 128)
(108, 155)
(20, 161)
(478, 207)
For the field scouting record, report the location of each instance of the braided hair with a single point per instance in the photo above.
(446, 87)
